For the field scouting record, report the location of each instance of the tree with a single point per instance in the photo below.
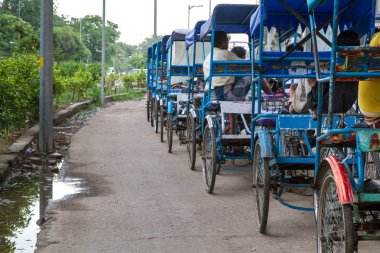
(92, 36)
(16, 35)
(27, 10)
(67, 46)
(137, 61)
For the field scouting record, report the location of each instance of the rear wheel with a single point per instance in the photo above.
(209, 158)
(262, 182)
(147, 107)
(169, 132)
(156, 112)
(335, 231)
(151, 108)
(162, 123)
(191, 141)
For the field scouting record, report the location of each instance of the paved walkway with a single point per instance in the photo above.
(146, 200)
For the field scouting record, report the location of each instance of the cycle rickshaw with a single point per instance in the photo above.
(159, 79)
(149, 82)
(330, 150)
(219, 144)
(177, 86)
(198, 50)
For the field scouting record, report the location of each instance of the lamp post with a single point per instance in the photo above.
(155, 20)
(103, 53)
(188, 13)
(209, 8)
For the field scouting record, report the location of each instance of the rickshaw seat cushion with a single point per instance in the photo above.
(266, 122)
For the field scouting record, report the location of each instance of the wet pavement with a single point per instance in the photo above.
(33, 188)
(139, 198)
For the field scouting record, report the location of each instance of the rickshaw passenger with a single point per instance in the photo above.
(239, 51)
(225, 88)
(369, 93)
(305, 98)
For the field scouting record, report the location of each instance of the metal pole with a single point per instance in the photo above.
(103, 53)
(209, 8)
(80, 29)
(19, 8)
(46, 77)
(188, 17)
(155, 20)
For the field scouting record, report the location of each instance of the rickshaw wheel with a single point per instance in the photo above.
(262, 179)
(209, 158)
(218, 168)
(162, 123)
(169, 132)
(151, 105)
(335, 231)
(147, 108)
(156, 115)
(191, 141)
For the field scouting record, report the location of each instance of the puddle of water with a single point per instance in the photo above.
(23, 202)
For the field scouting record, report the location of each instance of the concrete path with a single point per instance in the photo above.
(146, 200)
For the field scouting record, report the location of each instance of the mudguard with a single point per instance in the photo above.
(342, 179)
(266, 147)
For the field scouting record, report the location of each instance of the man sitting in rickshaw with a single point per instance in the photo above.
(226, 88)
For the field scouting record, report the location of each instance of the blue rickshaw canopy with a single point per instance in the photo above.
(230, 18)
(273, 13)
(177, 35)
(193, 35)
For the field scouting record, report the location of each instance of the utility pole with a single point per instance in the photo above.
(188, 13)
(155, 20)
(46, 77)
(103, 53)
(80, 30)
(209, 8)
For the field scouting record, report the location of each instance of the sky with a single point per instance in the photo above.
(135, 17)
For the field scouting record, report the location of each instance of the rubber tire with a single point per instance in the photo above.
(209, 172)
(347, 218)
(148, 109)
(262, 213)
(162, 123)
(151, 104)
(218, 168)
(169, 132)
(191, 141)
(156, 116)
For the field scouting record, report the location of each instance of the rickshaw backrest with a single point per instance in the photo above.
(306, 121)
(297, 63)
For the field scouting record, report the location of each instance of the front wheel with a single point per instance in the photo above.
(169, 132)
(335, 231)
(262, 183)
(209, 158)
(191, 141)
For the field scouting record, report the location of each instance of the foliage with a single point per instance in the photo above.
(137, 61)
(29, 10)
(68, 47)
(16, 35)
(111, 81)
(128, 81)
(92, 35)
(19, 91)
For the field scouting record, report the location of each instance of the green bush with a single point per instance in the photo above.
(19, 91)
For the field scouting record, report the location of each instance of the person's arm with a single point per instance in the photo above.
(265, 86)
